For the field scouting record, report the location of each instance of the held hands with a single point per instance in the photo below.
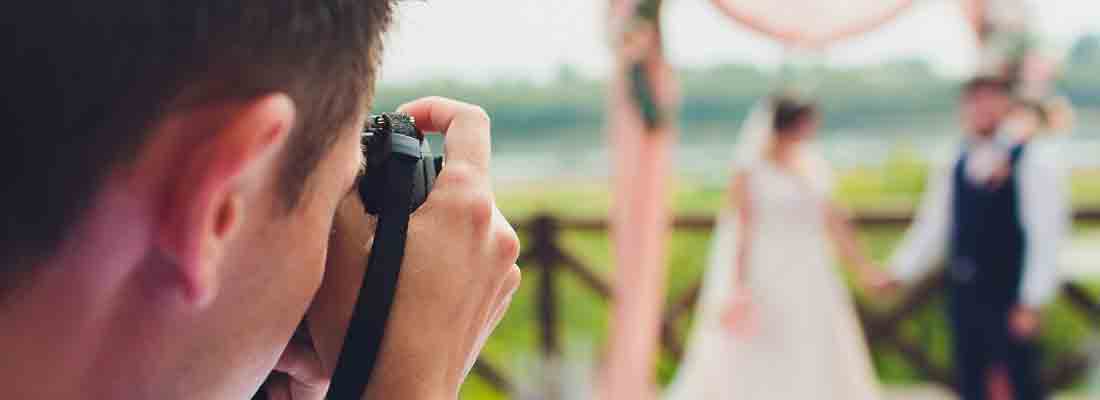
(872, 279)
(457, 278)
(1024, 321)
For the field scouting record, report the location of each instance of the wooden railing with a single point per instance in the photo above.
(546, 256)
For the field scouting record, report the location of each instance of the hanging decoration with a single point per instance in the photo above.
(812, 23)
(641, 134)
(1009, 46)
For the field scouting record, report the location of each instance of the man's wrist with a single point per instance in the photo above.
(411, 388)
(404, 373)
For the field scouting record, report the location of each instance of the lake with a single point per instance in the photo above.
(705, 150)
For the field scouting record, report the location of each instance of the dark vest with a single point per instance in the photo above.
(987, 239)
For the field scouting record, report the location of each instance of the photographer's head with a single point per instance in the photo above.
(985, 103)
(171, 171)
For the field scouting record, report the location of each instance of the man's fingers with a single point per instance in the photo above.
(466, 127)
(306, 380)
(506, 240)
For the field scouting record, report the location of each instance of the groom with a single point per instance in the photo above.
(996, 218)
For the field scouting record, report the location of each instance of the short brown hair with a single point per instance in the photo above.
(85, 80)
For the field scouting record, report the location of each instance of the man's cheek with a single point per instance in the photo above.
(345, 264)
(301, 255)
(317, 228)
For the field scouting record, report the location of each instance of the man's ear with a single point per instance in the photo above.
(204, 203)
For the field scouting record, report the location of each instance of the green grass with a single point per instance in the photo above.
(897, 186)
(583, 314)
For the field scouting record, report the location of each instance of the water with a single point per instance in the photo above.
(707, 152)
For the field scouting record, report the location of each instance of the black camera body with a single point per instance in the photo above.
(400, 173)
(391, 135)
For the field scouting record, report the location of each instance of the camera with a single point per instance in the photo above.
(400, 173)
(390, 135)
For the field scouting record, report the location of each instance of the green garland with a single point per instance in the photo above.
(649, 10)
(642, 92)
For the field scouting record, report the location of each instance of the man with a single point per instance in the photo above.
(172, 171)
(998, 215)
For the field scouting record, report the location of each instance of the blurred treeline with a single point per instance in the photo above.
(852, 97)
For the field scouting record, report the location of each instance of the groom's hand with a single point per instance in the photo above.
(1024, 322)
(872, 280)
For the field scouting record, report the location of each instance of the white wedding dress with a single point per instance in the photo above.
(808, 343)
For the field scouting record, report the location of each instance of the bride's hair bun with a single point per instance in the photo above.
(790, 111)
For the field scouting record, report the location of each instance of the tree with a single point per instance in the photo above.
(1086, 51)
(568, 75)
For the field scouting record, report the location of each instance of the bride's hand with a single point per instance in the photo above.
(876, 282)
(740, 316)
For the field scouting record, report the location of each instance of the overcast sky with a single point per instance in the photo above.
(477, 40)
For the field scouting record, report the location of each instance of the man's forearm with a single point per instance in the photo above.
(407, 388)
(1045, 214)
(926, 240)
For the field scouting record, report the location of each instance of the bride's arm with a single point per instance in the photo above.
(742, 205)
(850, 248)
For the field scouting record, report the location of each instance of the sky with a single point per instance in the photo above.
(481, 40)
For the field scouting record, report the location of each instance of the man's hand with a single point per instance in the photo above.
(1024, 322)
(460, 270)
(457, 278)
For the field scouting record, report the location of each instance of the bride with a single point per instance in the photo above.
(774, 320)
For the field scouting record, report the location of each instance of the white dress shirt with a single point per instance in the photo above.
(1044, 213)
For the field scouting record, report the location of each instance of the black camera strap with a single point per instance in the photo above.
(372, 309)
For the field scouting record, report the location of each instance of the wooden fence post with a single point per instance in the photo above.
(544, 232)
(547, 255)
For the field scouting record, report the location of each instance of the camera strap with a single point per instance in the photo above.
(367, 327)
